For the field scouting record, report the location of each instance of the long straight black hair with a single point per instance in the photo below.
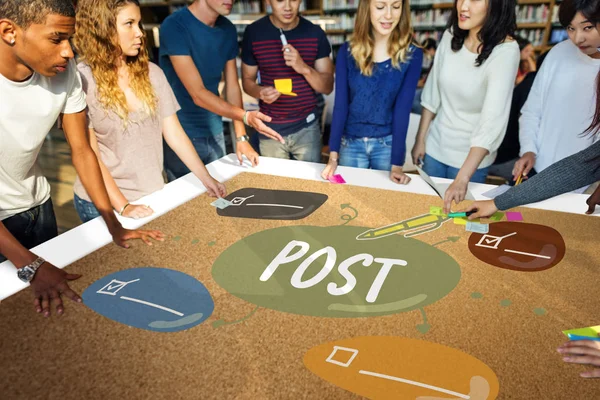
(594, 17)
(500, 22)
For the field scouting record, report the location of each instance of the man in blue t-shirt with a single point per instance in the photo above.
(197, 46)
(303, 58)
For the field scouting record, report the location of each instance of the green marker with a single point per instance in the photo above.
(460, 214)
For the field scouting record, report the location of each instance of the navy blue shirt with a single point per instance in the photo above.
(377, 105)
(262, 47)
(182, 34)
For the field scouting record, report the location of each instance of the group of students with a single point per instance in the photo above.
(117, 109)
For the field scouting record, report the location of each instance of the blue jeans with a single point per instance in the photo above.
(208, 148)
(433, 167)
(304, 145)
(374, 153)
(32, 227)
(85, 209)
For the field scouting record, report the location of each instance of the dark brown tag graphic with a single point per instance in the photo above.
(272, 204)
(519, 246)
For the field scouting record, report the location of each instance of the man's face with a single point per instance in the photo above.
(221, 7)
(45, 48)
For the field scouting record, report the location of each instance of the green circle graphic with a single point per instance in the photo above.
(347, 278)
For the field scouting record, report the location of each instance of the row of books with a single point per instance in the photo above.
(430, 17)
(533, 14)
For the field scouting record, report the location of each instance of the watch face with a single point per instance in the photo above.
(25, 274)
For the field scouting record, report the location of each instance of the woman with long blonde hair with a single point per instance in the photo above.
(131, 108)
(376, 78)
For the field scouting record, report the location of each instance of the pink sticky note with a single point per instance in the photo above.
(514, 216)
(336, 179)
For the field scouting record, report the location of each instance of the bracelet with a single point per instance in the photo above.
(245, 119)
(123, 209)
(243, 138)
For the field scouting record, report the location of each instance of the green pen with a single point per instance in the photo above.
(460, 214)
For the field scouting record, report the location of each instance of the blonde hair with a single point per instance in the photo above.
(97, 44)
(363, 41)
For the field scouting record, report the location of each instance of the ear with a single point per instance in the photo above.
(8, 31)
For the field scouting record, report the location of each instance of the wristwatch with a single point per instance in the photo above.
(244, 138)
(27, 273)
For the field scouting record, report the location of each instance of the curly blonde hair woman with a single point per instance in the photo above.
(375, 83)
(131, 108)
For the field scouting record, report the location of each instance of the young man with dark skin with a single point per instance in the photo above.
(198, 46)
(39, 83)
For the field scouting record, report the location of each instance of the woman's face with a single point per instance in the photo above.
(471, 14)
(128, 29)
(385, 15)
(527, 52)
(584, 35)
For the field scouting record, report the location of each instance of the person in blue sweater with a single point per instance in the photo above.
(376, 78)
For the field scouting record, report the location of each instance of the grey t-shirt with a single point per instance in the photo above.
(133, 154)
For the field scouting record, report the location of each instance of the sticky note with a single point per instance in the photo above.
(495, 192)
(221, 203)
(514, 216)
(497, 216)
(460, 221)
(477, 227)
(336, 179)
(436, 210)
(284, 86)
(585, 333)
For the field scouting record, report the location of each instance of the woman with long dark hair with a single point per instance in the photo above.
(466, 100)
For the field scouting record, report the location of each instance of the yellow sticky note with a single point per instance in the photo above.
(591, 331)
(460, 221)
(435, 210)
(497, 216)
(284, 86)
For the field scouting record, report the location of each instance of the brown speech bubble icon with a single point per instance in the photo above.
(519, 246)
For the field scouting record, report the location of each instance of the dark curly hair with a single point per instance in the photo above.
(500, 22)
(25, 13)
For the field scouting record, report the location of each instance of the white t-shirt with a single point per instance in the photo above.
(471, 103)
(560, 106)
(27, 112)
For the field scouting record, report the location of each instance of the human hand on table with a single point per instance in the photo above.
(137, 211)
(397, 176)
(583, 352)
(48, 285)
(332, 164)
(481, 209)
(214, 188)
(593, 201)
(245, 149)
(121, 236)
(456, 192)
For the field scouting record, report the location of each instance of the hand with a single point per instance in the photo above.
(593, 200)
(329, 170)
(214, 188)
(482, 209)
(583, 352)
(293, 59)
(418, 152)
(523, 165)
(122, 235)
(255, 119)
(48, 285)
(269, 94)
(456, 192)
(397, 176)
(136, 211)
(245, 149)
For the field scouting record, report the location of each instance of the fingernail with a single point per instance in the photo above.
(566, 358)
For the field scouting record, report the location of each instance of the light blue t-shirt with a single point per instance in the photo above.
(182, 34)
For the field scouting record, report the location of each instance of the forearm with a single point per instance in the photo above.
(209, 101)
(117, 199)
(13, 250)
(181, 144)
(426, 118)
(234, 97)
(86, 164)
(252, 87)
(321, 82)
(476, 155)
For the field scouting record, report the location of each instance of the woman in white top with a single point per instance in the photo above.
(550, 128)
(466, 100)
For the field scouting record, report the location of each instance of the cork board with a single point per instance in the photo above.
(507, 320)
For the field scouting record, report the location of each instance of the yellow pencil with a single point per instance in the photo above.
(519, 180)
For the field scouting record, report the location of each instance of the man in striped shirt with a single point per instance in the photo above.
(305, 60)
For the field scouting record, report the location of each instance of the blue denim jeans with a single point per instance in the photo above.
(374, 153)
(33, 227)
(85, 209)
(208, 148)
(304, 145)
(433, 167)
